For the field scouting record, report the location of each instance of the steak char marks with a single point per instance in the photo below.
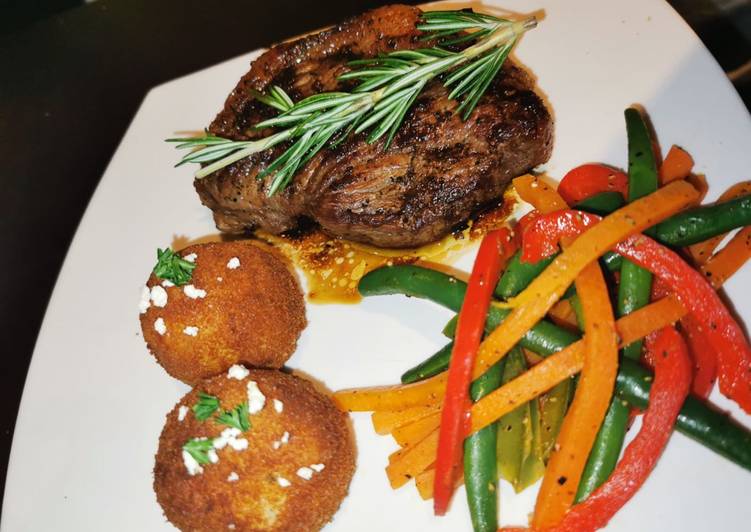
(437, 171)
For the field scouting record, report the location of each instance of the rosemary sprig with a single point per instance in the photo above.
(388, 86)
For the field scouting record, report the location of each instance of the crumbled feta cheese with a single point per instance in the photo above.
(191, 258)
(193, 292)
(213, 457)
(159, 326)
(238, 444)
(158, 296)
(191, 331)
(233, 263)
(193, 467)
(219, 279)
(283, 482)
(283, 441)
(145, 302)
(256, 399)
(238, 372)
(182, 412)
(233, 477)
(229, 436)
(305, 473)
(166, 283)
(278, 406)
(317, 467)
(231, 526)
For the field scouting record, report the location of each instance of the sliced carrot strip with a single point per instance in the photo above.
(702, 251)
(647, 319)
(591, 401)
(677, 165)
(729, 259)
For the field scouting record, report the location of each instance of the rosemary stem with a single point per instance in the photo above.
(253, 147)
(503, 33)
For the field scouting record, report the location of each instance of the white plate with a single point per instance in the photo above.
(95, 401)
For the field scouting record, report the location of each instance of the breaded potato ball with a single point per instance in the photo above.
(241, 305)
(289, 470)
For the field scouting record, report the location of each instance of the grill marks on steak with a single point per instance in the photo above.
(437, 170)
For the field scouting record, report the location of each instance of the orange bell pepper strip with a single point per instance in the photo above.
(729, 259)
(538, 193)
(702, 251)
(386, 421)
(677, 165)
(496, 248)
(413, 433)
(411, 461)
(669, 390)
(591, 401)
(562, 314)
(589, 179)
(535, 301)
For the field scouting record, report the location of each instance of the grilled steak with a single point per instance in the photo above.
(437, 171)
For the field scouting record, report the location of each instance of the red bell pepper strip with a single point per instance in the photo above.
(721, 331)
(669, 390)
(702, 354)
(712, 318)
(589, 179)
(542, 233)
(496, 248)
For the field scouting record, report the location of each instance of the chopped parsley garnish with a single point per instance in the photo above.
(237, 418)
(173, 267)
(205, 407)
(199, 449)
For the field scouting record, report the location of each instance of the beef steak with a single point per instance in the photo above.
(437, 171)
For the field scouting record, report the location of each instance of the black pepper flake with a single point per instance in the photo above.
(562, 480)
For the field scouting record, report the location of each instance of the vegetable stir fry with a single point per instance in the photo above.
(598, 306)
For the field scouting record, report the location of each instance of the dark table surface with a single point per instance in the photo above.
(70, 84)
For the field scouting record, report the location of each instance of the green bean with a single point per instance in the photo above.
(480, 473)
(633, 293)
(518, 275)
(702, 223)
(602, 203)
(433, 365)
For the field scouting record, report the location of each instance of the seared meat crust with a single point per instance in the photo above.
(437, 171)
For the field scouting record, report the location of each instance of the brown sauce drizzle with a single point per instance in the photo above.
(333, 267)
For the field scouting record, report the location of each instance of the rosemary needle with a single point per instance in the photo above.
(389, 85)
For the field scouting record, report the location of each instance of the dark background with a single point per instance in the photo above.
(71, 78)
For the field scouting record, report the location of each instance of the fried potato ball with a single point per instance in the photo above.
(289, 470)
(242, 305)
